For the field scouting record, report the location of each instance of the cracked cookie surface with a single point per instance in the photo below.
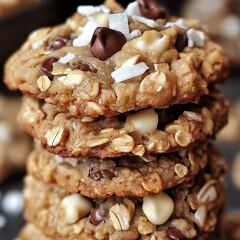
(163, 62)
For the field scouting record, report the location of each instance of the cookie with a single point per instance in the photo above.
(139, 133)
(189, 210)
(14, 145)
(88, 67)
(125, 176)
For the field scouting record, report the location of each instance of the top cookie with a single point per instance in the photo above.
(100, 63)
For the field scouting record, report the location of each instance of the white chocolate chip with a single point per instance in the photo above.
(158, 208)
(128, 72)
(54, 136)
(75, 207)
(67, 58)
(43, 83)
(144, 122)
(120, 217)
(73, 78)
(195, 38)
(149, 22)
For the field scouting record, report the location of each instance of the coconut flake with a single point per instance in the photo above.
(133, 9)
(128, 72)
(195, 38)
(12, 202)
(135, 33)
(119, 22)
(67, 58)
(149, 22)
(89, 9)
(179, 23)
(87, 33)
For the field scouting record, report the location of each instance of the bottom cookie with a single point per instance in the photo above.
(189, 211)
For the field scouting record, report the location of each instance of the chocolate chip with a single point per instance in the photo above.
(99, 174)
(106, 42)
(58, 43)
(47, 66)
(83, 67)
(175, 234)
(152, 9)
(181, 42)
(108, 174)
(97, 216)
(95, 175)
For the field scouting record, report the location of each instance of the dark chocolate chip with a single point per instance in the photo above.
(47, 66)
(175, 234)
(58, 43)
(99, 174)
(106, 42)
(108, 174)
(84, 67)
(181, 42)
(97, 216)
(152, 9)
(95, 175)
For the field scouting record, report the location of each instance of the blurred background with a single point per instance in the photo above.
(19, 17)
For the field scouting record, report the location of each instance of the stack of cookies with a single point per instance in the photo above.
(122, 106)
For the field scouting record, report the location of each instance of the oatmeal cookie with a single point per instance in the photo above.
(189, 210)
(98, 63)
(124, 176)
(141, 133)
